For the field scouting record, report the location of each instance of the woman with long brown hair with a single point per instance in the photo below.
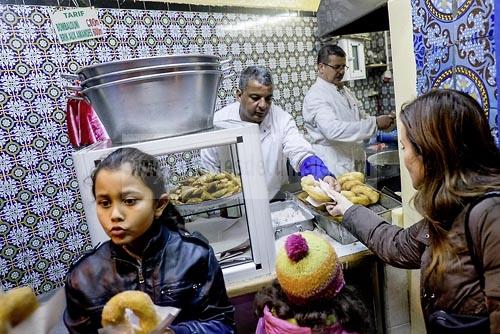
(454, 165)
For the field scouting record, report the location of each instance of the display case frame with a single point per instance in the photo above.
(241, 135)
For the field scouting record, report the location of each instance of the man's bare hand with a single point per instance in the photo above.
(385, 122)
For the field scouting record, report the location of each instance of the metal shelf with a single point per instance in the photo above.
(375, 65)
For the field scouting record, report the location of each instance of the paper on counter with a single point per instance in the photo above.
(314, 202)
(397, 217)
(45, 318)
(223, 234)
(166, 313)
(327, 189)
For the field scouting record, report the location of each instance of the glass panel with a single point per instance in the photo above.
(210, 199)
(355, 58)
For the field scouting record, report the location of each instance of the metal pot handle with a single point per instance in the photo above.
(73, 88)
(226, 61)
(77, 96)
(226, 69)
(69, 76)
(227, 76)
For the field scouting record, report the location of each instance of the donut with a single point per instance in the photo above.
(351, 176)
(17, 305)
(347, 193)
(140, 303)
(312, 188)
(360, 199)
(356, 198)
(365, 190)
(347, 185)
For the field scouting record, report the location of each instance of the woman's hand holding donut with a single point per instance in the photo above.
(341, 206)
(332, 182)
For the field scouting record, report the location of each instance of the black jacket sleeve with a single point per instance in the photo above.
(217, 313)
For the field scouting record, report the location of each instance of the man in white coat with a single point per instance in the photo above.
(333, 118)
(279, 135)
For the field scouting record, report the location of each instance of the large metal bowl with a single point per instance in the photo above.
(385, 158)
(383, 164)
(122, 65)
(141, 71)
(156, 106)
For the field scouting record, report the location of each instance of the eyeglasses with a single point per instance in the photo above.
(337, 67)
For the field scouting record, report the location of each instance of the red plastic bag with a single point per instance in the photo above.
(84, 127)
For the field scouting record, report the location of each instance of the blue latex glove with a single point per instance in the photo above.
(387, 137)
(314, 166)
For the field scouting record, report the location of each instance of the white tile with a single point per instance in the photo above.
(401, 329)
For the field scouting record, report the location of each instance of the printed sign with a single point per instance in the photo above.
(76, 24)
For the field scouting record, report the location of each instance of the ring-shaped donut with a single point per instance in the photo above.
(140, 303)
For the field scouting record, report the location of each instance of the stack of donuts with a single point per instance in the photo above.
(354, 189)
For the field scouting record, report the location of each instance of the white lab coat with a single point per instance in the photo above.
(337, 126)
(280, 139)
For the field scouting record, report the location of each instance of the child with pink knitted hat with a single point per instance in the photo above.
(310, 294)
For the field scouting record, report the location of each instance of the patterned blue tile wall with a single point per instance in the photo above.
(42, 224)
(455, 47)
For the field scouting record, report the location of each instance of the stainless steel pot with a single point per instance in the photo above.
(141, 71)
(156, 106)
(122, 65)
(383, 164)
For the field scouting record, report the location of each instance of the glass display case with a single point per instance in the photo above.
(216, 181)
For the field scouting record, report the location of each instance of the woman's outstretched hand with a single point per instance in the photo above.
(341, 206)
(332, 182)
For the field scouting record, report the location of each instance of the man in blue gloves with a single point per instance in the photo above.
(279, 135)
(334, 118)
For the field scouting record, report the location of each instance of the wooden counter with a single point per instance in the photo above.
(348, 255)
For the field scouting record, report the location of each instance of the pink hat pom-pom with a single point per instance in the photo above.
(296, 247)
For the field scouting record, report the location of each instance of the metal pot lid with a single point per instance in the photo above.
(187, 66)
(151, 78)
(168, 59)
(386, 158)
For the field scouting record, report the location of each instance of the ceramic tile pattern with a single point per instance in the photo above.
(377, 96)
(42, 223)
(455, 47)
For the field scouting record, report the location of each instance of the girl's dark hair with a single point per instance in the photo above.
(147, 168)
(450, 131)
(347, 307)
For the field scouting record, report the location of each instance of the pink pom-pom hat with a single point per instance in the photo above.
(307, 268)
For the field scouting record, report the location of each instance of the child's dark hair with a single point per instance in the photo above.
(347, 307)
(147, 168)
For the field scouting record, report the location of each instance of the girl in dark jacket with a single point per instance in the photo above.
(149, 251)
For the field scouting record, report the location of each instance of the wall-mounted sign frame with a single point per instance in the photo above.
(76, 24)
